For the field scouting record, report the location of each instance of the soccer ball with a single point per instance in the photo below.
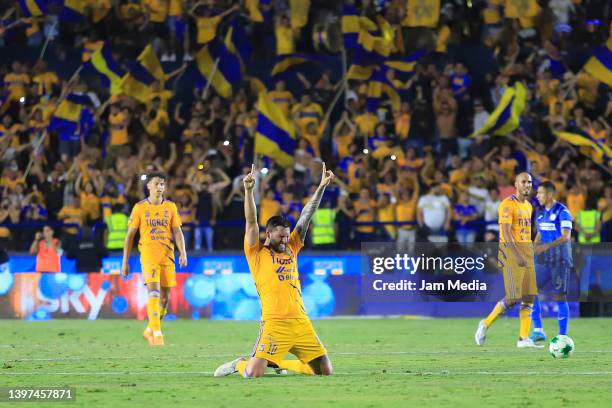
(561, 346)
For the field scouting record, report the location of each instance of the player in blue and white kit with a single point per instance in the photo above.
(553, 258)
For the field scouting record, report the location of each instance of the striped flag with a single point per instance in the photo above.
(600, 64)
(227, 71)
(143, 73)
(110, 72)
(274, 134)
(505, 117)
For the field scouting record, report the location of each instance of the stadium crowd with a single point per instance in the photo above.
(409, 173)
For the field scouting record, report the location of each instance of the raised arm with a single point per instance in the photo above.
(302, 224)
(251, 229)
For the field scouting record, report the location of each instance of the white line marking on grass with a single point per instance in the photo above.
(340, 353)
(207, 373)
(478, 351)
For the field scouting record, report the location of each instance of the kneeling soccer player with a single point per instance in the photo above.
(285, 326)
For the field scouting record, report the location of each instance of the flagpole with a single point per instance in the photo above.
(344, 73)
(179, 76)
(36, 147)
(44, 135)
(44, 49)
(333, 104)
(209, 80)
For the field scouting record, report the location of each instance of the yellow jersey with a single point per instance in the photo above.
(518, 215)
(158, 10)
(118, 129)
(283, 99)
(155, 224)
(387, 214)
(284, 40)
(16, 84)
(72, 215)
(277, 279)
(366, 123)
(45, 82)
(90, 204)
(405, 211)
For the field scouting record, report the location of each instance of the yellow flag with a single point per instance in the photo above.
(299, 13)
(151, 63)
(521, 8)
(422, 13)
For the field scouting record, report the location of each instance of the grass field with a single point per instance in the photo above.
(378, 363)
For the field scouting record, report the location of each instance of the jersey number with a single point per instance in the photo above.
(271, 349)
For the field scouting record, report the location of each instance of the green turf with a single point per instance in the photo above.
(378, 363)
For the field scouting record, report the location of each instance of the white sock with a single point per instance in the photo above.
(538, 330)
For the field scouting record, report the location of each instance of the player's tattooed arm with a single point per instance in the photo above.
(309, 209)
(250, 210)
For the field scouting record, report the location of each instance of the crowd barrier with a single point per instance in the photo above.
(217, 287)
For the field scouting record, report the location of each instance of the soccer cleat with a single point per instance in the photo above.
(280, 371)
(527, 343)
(148, 334)
(481, 333)
(156, 340)
(537, 336)
(228, 368)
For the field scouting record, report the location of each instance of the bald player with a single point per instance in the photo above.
(515, 257)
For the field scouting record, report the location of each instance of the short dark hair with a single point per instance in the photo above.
(549, 186)
(157, 174)
(277, 221)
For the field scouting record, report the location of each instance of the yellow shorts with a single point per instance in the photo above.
(165, 275)
(277, 337)
(518, 281)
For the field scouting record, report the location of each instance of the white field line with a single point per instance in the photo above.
(360, 353)
(443, 373)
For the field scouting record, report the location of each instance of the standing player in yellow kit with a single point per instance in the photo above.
(515, 256)
(285, 326)
(157, 220)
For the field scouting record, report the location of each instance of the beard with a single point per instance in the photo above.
(278, 247)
